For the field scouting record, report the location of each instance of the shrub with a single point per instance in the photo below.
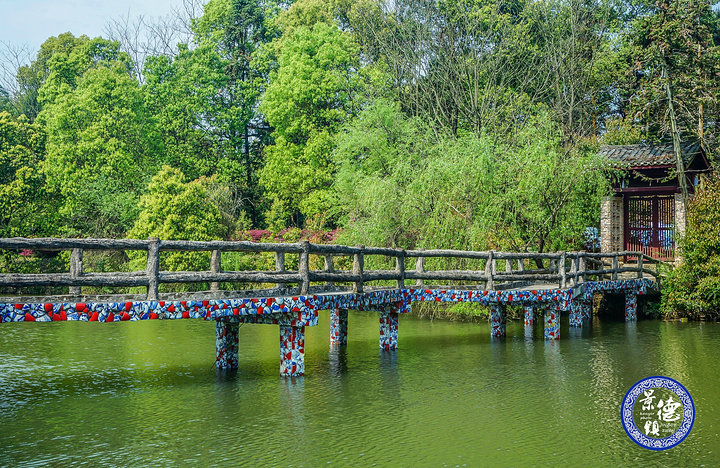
(693, 288)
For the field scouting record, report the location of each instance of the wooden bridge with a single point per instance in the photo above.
(550, 283)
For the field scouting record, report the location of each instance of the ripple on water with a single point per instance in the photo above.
(146, 394)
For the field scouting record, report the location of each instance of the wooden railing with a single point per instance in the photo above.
(566, 269)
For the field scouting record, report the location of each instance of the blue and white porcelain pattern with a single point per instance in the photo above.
(292, 351)
(226, 344)
(388, 330)
(497, 321)
(338, 326)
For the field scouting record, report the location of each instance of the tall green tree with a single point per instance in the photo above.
(173, 209)
(30, 78)
(315, 90)
(99, 150)
(673, 51)
(26, 208)
(182, 96)
(235, 30)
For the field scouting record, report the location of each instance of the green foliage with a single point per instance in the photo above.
(694, 286)
(172, 209)
(98, 151)
(181, 95)
(230, 34)
(26, 209)
(310, 96)
(621, 132)
(402, 188)
(675, 44)
(30, 78)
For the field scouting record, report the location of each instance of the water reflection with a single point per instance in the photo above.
(337, 358)
(450, 393)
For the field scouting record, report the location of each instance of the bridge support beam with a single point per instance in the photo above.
(497, 320)
(552, 322)
(338, 326)
(388, 330)
(226, 344)
(630, 306)
(529, 315)
(292, 351)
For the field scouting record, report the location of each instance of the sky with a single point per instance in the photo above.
(31, 22)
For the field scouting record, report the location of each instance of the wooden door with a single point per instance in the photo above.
(650, 225)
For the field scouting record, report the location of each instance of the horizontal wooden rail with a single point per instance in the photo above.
(564, 268)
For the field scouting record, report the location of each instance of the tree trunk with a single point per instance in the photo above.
(676, 138)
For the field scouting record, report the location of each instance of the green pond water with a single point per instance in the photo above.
(147, 394)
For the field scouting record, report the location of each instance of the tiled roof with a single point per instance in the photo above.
(649, 155)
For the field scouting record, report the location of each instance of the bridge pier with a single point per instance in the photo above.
(586, 310)
(529, 315)
(292, 350)
(552, 322)
(576, 314)
(338, 326)
(226, 344)
(630, 306)
(388, 330)
(497, 320)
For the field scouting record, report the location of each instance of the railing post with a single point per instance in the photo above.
(561, 271)
(215, 268)
(358, 267)
(490, 271)
(614, 267)
(420, 268)
(304, 267)
(400, 269)
(329, 267)
(574, 269)
(280, 266)
(508, 266)
(582, 266)
(521, 264)
(153, 268)
(76, 269)
(640, 265)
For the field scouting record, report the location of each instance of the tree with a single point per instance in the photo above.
(402, 187)
(181, 95)
(99, 150)
(30, 78)
(172, 209)
(235, 30)
(693, 288)
(311, 95)
(26, 209)
(676, 63)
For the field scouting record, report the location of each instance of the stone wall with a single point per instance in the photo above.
(612, 225)
(680, 218)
